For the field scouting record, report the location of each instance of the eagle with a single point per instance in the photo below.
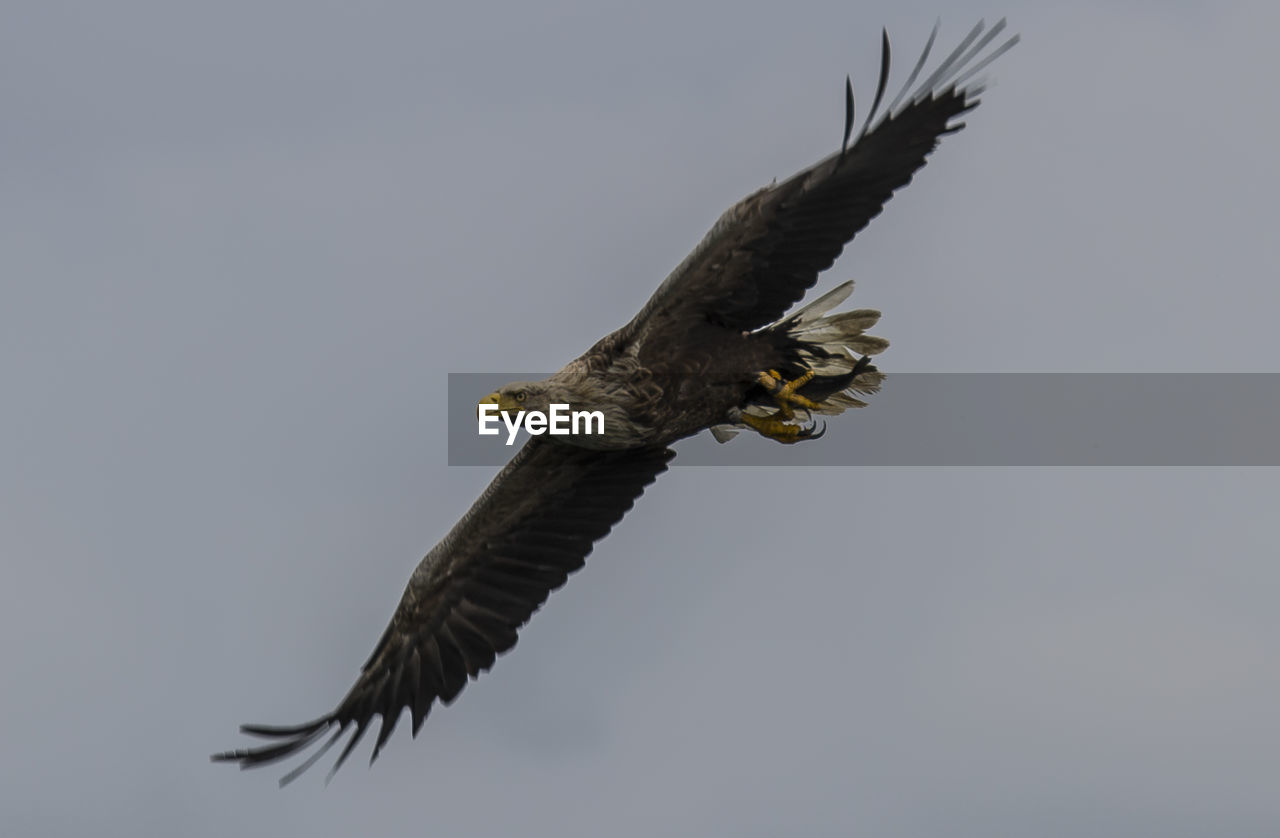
(711, 349)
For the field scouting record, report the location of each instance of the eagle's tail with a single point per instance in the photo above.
(834, 348)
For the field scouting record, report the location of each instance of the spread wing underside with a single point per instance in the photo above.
(765, 252)
(531, 528)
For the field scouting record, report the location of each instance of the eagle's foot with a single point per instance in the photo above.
(784, 392)
(776, 427)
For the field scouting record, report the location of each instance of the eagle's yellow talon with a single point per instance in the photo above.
(777, 429)
(769, 380)
(771, 427)
(777, 425)
(784, 392)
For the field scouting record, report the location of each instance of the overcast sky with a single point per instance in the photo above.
(242, 245)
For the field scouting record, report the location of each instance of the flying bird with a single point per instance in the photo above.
(711, 349)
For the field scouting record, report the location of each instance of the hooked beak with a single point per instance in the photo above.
(492, 398)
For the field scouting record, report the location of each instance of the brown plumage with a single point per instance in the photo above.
(691, 359)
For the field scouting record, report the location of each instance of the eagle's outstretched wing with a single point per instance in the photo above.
(767, 250)
(531, 528)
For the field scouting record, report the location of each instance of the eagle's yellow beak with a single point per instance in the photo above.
(492, 398)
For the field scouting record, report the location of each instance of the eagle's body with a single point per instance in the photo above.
(650, 397)
(710, 349)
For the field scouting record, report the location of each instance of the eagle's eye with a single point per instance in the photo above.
(520, 395)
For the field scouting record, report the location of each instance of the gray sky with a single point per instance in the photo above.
(242, 247)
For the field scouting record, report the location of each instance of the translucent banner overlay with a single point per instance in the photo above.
(981, 419)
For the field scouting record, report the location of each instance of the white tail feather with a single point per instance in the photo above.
(835, 345)
(818, 307)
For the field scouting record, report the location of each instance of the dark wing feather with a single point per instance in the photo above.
(531, 528)
(766, 251)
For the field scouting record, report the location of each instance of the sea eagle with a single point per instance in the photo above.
(711, 349)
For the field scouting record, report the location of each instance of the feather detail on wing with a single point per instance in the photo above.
(764, 253)
(531, 528)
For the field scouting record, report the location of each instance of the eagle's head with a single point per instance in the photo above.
(521, 395)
